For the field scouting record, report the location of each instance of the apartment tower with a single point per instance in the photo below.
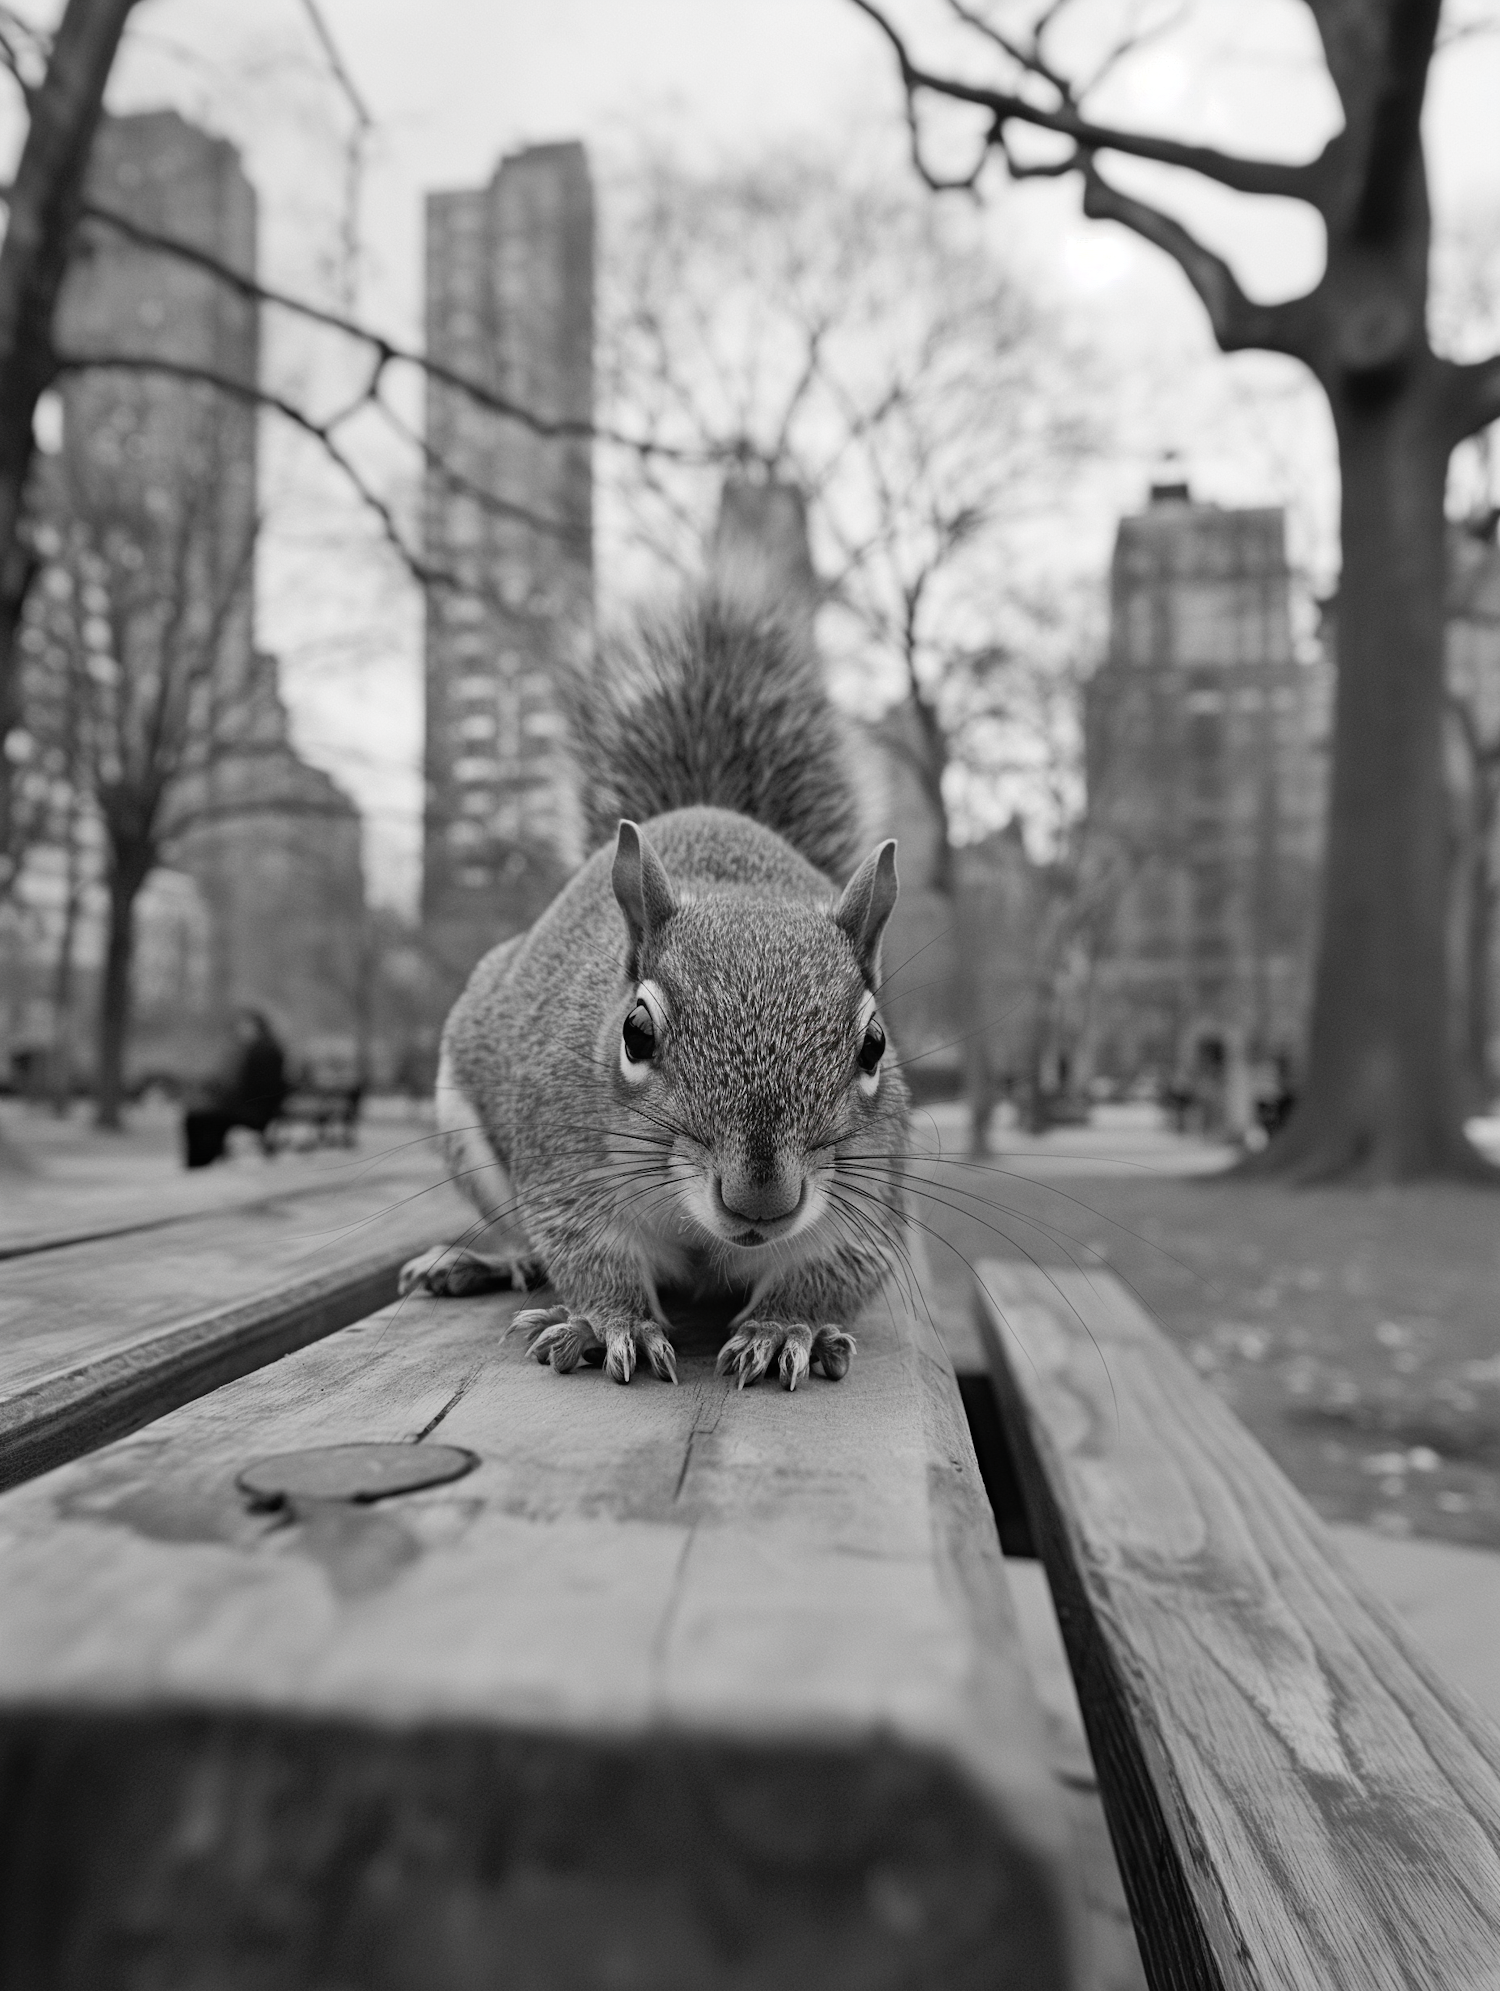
(508, 535)
(1206, 772)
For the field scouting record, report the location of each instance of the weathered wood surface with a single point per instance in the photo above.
(98, 1338)
(678, 1688)
(1297, 1798)
(55, 1210)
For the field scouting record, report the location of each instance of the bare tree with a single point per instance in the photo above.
(1474, 731)
(147, 631)
(1381, 1099)
(1466, 300)
(63, 90)
(791, 322)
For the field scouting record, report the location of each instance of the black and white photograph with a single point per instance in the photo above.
(750, 995)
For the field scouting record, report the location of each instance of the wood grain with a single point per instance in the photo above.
(52, 1212)
(680, 1687)
(79, 1408)
(1297, 1798)
(98, 1338)
(66, 1307)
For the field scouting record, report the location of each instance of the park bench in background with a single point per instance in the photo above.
(1296, 1797)
(317, 1116)
(674, 1688)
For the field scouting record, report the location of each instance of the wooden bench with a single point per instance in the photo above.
(107, 1323)
(675, 1687)
(317, 1116)
(1296, 1797)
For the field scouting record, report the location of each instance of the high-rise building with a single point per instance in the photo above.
(508, 535)
(152, 498)
(1206, 777)
(153, 442)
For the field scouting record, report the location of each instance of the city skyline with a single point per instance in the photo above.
(452, 92)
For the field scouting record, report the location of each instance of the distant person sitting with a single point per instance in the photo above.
(247, 1093)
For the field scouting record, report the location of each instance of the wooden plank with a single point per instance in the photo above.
(1297, 1798)
(67, 1307)
(98, 1339)
(53, 1212)
(80, 1408)
(679, 1688)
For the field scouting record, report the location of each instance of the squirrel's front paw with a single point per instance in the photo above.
(755, 1345)
(452, 1272)
(565, 1339)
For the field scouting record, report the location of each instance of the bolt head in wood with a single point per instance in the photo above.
(359, 1472)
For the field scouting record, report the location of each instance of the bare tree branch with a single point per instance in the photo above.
(387, 351)
(1247, 176)
(262, 397)
(339, 67)
(568, 532)
(1130, 43)
(324, 432)
(354, 159)
(10, 59)
(1238, 324)
(1475, 396)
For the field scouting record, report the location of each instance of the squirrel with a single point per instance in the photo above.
(678, 1080)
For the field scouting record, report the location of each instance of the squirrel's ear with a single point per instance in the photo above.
(868, 902)
(642, 887)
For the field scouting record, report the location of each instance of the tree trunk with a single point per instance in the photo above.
(60, 1073)
(1480, 934)
(972, 1001)
(126, 877)
(1381, 1101)
(967, 993)
(43, 210)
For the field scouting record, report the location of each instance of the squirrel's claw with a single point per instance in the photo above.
(795, 1355)
(834, 1349)
(631, 1339)
(755, 1345)
(554, 1335)
(619, 1352)
(657, 1350)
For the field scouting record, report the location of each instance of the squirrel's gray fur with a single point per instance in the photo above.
(744, 1152)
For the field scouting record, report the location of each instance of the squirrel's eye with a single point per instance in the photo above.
(872, 1049)
(639, 1035)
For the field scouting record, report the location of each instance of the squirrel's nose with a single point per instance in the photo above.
(760, 1200)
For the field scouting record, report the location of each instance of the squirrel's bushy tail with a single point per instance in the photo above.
(719, 701)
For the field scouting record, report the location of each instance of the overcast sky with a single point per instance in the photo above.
(453, 84)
